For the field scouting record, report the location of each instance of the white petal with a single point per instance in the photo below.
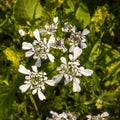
(38, 62)
(73, 29)
(71, 48)
(105, 114)
(85, 32)
(27, 46)
(45, 40)
(47, 26)
(29, 53)
(76, 86)
(35, 56)
(63, 60)
(42, 86)
(77, 62)
(27, 78)
(51, 57)
(23, 70)
(70, 56)
(55, 19)
(34, 91)
(50, 82)
(36, 34)
(89, 116)
(34, 68)
(57, 78)
(35, 42)
(77, 52)
(41, 95)
(83, 45)
(83, 39)
(22, 32)
(86, 72)
(27, 82)
(42, 30)
(51, 40)
(24, 87)
(67, 80)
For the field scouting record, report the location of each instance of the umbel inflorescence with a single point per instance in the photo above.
(70, 69)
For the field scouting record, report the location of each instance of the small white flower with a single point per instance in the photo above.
(51, 29)
(35, 81)
(78, 38)
(57, 43)
(103, 116)
(22, 32)
(68, 70)
(62, 116)
(68, 28)
(71, 70)
(55, 19)
(40, 49)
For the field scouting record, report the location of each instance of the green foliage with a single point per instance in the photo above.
(27, 10)
(99, 93)
(7, 96)
(82, 15)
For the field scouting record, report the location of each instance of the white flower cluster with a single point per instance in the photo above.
(39, 48)
(103, 116)
(70, 68)
(35, 81)
(62, 116)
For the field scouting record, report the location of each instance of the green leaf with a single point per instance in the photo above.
(95, 52)
(82, 14)
(6, 99)
(70, 8)
(27, 10)
(96, 81)
(7, 96)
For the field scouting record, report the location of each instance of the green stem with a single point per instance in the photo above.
(34, 103)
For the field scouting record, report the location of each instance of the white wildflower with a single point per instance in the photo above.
(71, 70)
(79, 38)
(58, 43)
(51, 29)
(39, 48)
(35, 81)
(22, 32)
(103, 116)
(68, 28)
(62, 116)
